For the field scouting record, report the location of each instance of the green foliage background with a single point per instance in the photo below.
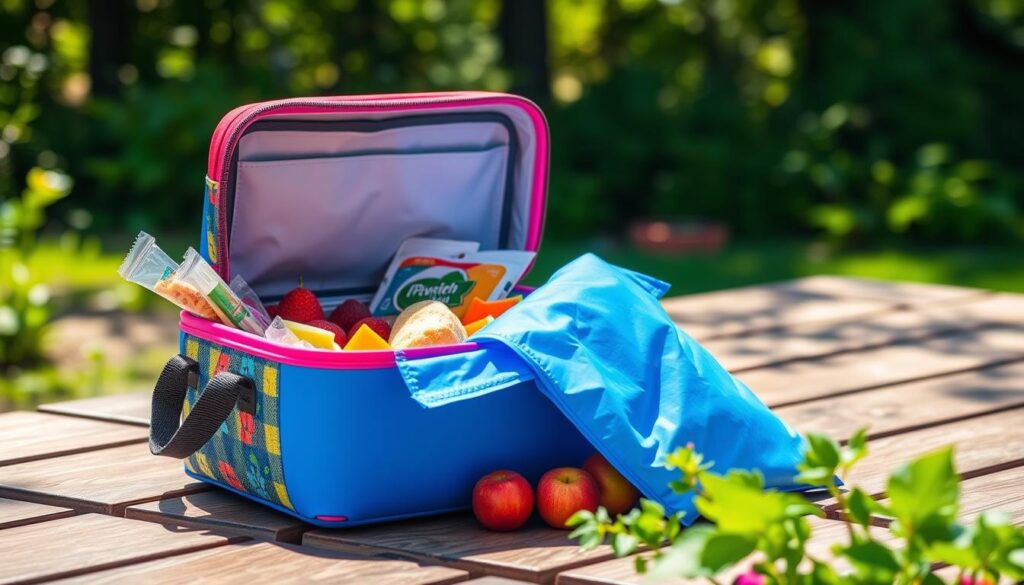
(858, 121)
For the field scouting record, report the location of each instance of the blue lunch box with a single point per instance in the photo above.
(326, 189)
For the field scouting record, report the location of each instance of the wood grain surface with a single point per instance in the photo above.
(904, 293)
(801, 381)
(91, 542)
(535, 553)
(803, 341)
(982, 445)
(255, 563)
(129, 408)
(98, 481)
(17, 513)
(221, 511)
(904, 407)
(26, 436)
(732, 313)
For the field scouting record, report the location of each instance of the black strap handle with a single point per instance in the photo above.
(169, 438)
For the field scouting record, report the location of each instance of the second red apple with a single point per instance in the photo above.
(564, 491)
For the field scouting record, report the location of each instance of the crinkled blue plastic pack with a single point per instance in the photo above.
(603, 350)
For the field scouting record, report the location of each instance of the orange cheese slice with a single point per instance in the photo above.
(479, 309)
(478, 325)
(366, 339)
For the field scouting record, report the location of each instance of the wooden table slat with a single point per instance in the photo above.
(128, 408)
(91, 542)
(802, 342)
(888, 290)
(223, 512)
(850, 372)
(534, 553)
(17, 513)
(982, 445)
(103, 481)
(27, 436)
(255, 563)
(905, 407)
(732, 313)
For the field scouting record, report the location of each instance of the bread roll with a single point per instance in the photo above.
(426, 323)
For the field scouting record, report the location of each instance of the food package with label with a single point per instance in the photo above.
(419, 273)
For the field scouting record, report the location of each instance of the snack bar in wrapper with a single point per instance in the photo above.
(197, 273)
(147, 265)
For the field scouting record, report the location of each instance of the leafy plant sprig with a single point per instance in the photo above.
(765, 532)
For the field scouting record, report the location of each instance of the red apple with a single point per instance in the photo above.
(618, 496)
(564, 491)
(502, 500)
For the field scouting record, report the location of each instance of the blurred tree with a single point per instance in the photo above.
(858, 121)
(523, 26)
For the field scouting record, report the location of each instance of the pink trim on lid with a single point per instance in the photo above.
(540, 163)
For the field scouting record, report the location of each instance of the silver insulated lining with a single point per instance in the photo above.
(330, 197)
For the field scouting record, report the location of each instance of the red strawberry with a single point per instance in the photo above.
(349, 313)
(379, 326)
(300, 305)
(272, 311)
(339, 334)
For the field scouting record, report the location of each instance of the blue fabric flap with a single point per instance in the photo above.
(442, 380)
(603, 349)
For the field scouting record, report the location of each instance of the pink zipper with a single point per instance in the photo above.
(230, 128)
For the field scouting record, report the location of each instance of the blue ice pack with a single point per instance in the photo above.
(598, 344)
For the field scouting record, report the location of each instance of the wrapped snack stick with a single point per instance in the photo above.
(197, 273)
(251, 300)
(147, 265)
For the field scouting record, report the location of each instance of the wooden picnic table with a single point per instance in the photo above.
(82, 500)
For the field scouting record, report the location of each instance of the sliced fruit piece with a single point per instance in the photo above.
(339, 334)
(317, 337)
(379, 326)
(479, 309)
(478, 325)
(364, 339)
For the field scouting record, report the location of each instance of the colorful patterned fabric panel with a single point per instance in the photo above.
(212, 188)
(246, 452)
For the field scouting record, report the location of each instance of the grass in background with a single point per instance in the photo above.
(754, 262)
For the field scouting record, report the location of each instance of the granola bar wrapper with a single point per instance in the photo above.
(149, 266)
(197, 273)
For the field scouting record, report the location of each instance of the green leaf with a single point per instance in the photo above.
(738, 507)
(684, 557)
(923, 496)
(823, 452)
(724, 550)
(855, 450)
(591, 541)
(580, 517)
(624, 544)
(872, 555)
(823, 574)
(860, 506)
(950, 553)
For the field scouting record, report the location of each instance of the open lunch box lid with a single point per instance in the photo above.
(327, 188)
